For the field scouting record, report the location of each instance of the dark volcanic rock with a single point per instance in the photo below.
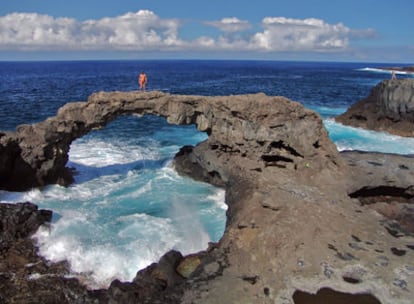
(19, 221)
(389, 107)
(151, 285)
(24, 276)
(409, 69)
(385, 183)
(299, 216)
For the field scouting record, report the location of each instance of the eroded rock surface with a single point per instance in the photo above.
(303, 230)
(297, 222)
(389, 107)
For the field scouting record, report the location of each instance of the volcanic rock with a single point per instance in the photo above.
(408, 69)
(299, 219)
(389, 107)
(19, 221)
(25, 277)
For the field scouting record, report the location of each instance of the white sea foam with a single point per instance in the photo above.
(193, 235)
(97, 152)
(126, 209)
(116, 220)
(77, 239)
(219, 198)
(385, 71)
(136, 241)
(350, 138)
(11, 197)
(167, 173)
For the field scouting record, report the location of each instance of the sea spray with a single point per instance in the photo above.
(127, 206)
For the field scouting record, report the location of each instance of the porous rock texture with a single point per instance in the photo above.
(298, 221)
(389, 107)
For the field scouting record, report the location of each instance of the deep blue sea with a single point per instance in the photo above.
(128, 206)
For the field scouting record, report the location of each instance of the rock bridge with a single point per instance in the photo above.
(280, 132)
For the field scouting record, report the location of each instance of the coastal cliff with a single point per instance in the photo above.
(303, 222)
(389, 107)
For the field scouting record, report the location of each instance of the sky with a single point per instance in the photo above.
(311, 30)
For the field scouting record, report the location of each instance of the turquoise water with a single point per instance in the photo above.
(127, 206)
(350, 138)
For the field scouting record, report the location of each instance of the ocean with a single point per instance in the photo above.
(128, 206)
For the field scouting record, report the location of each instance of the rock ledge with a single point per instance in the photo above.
(389, 107)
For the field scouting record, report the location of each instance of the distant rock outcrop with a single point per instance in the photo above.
(300, 220)
(407, 69)
(389, 107)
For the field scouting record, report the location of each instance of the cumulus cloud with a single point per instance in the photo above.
(286, 34)
(144, 30)
(136, 31)
(230, 24)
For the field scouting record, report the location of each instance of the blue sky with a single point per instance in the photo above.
(351, 30)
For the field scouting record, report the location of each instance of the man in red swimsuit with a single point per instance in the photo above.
(142, 81)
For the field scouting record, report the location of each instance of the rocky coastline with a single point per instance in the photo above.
(305, 222)
(389, 107)
(409, 69)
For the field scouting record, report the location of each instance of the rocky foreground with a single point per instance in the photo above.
(305, 223)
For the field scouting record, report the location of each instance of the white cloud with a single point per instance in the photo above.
(205, 42)
(285, 34)
(230, 24)
(144, 30)
(136, 31)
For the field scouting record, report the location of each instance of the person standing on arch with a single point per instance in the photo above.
(142, 81)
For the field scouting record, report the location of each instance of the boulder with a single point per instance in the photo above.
(25, 277)
(19, 221)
